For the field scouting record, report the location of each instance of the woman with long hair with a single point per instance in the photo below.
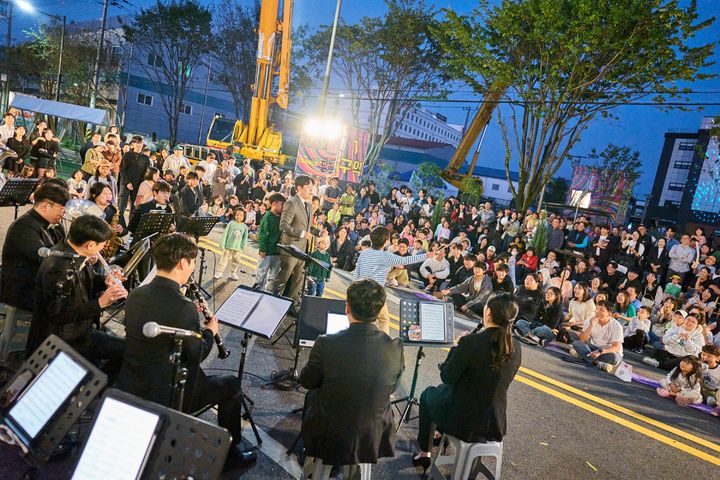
(470, 404)
(341, 249)
(45, 152)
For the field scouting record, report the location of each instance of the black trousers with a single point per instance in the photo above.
(636, 340)
(104, 347)
(460, 300)
(667, 360)
(430, 412)
(224, 391)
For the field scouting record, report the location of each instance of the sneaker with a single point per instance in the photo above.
(662, 392)
(605, 366)
(651, 361)
(534, 338)
(233, 276)
(573, 353)
(711, 401)
(218, 275)
(392, 283)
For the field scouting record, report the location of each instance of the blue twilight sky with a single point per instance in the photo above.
(641, 127)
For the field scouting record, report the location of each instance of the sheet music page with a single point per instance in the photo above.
(118, 444)
(336, 322)
(47, 394)
(236, 308)
(432, 322)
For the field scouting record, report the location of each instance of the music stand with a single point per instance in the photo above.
(253, 312)
(46, 396)
(16, 192)
(150, 223)
(411, 333)
(150, 441)
(199, 227)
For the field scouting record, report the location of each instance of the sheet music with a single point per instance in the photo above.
(119, 443)
(336, 322)
(432, 322)
(238, 307)
(47, 394)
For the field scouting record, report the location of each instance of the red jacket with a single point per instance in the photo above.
(532, 262)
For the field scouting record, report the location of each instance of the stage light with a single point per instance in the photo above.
(25, 5)
(327, 128)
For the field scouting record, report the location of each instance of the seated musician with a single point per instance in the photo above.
(147, 371)
(470, 404)
(347, 418)
(160, 203)
(101, 194)
(70, 307)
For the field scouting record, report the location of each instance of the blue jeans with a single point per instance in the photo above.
(543, 332)
(584, 349)
(316, 286)
(267, 269)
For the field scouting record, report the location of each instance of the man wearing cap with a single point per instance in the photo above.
(176, 160)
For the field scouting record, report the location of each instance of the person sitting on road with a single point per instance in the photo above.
(636, 332)
(678, 342)
(472, 294)
(600, 342)
(434, 270)
(684, 382)
(528, 298)
(550, 317)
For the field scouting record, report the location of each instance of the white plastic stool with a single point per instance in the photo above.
(322, 471)
(464, 458)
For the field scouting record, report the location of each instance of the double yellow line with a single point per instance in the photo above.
(574, 396)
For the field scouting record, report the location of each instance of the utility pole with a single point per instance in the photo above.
(202, 114)
(96, 67)
(59, 70)
(8, 44)
(326, 78)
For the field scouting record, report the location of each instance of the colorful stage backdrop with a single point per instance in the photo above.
(606, 189)
(343, 158)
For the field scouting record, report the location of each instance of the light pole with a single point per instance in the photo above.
(326, 79)
(27, 7)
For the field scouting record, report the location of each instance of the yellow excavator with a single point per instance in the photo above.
(480, 120)
(256, 138)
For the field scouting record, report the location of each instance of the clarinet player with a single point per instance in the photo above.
(147, 371)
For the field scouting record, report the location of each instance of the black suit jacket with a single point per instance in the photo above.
(146, 207)
(146, 370)
(189, 201)
(20, 260)
(471, 405)
(351, 375)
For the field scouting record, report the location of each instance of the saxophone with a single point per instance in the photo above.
(114, 243)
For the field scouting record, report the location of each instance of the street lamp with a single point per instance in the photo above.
(29, 8)
(326, 78)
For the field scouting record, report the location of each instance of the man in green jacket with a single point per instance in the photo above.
(268, 238)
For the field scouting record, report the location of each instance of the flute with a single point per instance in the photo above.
(105, 265)
(223, 352)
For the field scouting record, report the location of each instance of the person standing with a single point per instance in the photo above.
(681, 257)
(268, 238)
(21, 146)
(132, 173)
(7, 130)
(232, 244)
(221, 179)
(176, 160)
(209, 166)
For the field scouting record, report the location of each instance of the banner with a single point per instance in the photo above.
(605, 189)
(343, 157)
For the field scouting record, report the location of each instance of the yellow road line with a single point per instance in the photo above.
(621, 421)
(621, 409)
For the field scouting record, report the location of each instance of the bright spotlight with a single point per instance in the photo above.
(323, 127)
(25, 5)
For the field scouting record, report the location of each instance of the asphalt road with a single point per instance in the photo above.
(565, 421)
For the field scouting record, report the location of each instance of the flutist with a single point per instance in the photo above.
(146, 370)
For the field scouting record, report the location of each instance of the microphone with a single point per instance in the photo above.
(152, 330)
(46, 252)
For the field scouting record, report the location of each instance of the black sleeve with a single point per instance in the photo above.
(134, 220)
(195, 350)
(457, 362)
(62, 311)
(312, 373)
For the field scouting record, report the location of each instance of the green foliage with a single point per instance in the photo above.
(427, 176)
(471, 191)
(565, 63)
(540, 239)
(386, 63)
(234, 50)
(178, 34)
(437, 211)
(381, 177)
(556, 190)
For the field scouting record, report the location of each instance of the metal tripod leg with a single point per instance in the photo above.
(283, 334)
(248, 414)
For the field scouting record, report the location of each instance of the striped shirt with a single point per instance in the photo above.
(376, 264)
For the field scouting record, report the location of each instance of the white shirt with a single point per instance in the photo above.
(601, 238)
(603, 336)
(209, 170)
(6, 133)
(174, 162)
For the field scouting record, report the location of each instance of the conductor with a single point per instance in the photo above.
(342, 426)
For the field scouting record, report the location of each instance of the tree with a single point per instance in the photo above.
(427, 176)
(387, 64)
(564, 63)
(173, 38)
(556, 190)
(614, 164)
(471, 190)
(235, 49)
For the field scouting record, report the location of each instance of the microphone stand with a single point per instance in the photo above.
(179, 374)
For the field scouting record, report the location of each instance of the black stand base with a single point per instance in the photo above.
(411, 399)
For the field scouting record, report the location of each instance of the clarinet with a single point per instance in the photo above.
(223, 352)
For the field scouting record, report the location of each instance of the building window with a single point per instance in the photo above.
(154, 60)
(671, 203)
(686, 146)
(145, 99)
(676, 187)
(682, 165)
(495, 187)
(186, 109)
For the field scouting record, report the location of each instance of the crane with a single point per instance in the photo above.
(257, 138)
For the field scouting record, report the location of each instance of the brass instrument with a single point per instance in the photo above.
(115, 242)
(223, 352)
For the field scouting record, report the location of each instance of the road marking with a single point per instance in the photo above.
(621, 421)
(273, 449)
(621, 409)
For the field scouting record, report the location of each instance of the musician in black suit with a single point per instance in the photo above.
(350, 376)
(146, 370)
(190, 197)
(470, 404)
(160, 203)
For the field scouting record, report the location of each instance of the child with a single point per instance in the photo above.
(318, 276)
(204, 210)
(673, 288)
(268, 238)
(232, 244)
(710, 389)
(637, 330)
(683, 382)
(217, 209)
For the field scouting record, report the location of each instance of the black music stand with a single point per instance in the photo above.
(32, 382)
(253, 312)
(199, 227)
(16, 192)
(153, 223)
(409, 322)
(169, 444)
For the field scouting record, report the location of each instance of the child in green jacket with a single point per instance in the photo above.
(232, 244)
(318, 276)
